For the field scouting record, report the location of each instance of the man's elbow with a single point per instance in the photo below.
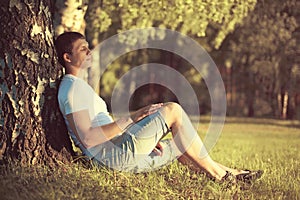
(90, 140)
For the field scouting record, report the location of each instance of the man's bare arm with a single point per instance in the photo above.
(89, 136)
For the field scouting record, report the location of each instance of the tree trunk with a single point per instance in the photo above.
(292, 107)
(250, 94)
(32, 128)
(285, 105)
(92, 32)
(279, 104)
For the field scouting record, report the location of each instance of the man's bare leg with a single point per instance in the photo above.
(188, 142)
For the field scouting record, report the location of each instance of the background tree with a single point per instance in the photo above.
(263, 57)
(31, 127)
(98, 21)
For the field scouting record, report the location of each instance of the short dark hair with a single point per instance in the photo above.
(64, 44)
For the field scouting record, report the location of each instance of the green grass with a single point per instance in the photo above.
(271, 145)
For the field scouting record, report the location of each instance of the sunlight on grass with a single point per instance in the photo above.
(271, 145)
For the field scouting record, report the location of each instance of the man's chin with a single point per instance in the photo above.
(86, 65)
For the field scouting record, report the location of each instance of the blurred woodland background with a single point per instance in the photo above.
(255, 45)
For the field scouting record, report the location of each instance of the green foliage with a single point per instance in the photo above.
(112, 75)
(276, 145)
(98, 21)
(264, 49)
(187, 17)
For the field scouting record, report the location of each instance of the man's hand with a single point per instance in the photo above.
(158, 150)
(145, 111)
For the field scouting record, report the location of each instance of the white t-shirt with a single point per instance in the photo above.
(74, 95)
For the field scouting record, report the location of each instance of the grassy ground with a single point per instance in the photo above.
(270, 145)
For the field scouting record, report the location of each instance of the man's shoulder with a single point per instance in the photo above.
(76, 86)
(72, 81)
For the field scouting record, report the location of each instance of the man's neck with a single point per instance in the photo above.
(80, 73)
(72, 70)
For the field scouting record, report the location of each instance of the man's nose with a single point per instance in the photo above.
(88, 52)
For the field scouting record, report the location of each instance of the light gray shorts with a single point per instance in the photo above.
(133, 150)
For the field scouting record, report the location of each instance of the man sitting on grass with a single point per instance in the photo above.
(132, 143)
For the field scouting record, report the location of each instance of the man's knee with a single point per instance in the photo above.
(172, 113)
(173, 107)
(173, 110)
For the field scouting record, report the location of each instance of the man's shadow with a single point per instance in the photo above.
(58, 143)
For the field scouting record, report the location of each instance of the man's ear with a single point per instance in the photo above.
(66, 57)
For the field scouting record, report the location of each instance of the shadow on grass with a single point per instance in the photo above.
(255, 121)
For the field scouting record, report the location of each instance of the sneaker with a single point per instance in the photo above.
(250, 176)
(229, 180)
